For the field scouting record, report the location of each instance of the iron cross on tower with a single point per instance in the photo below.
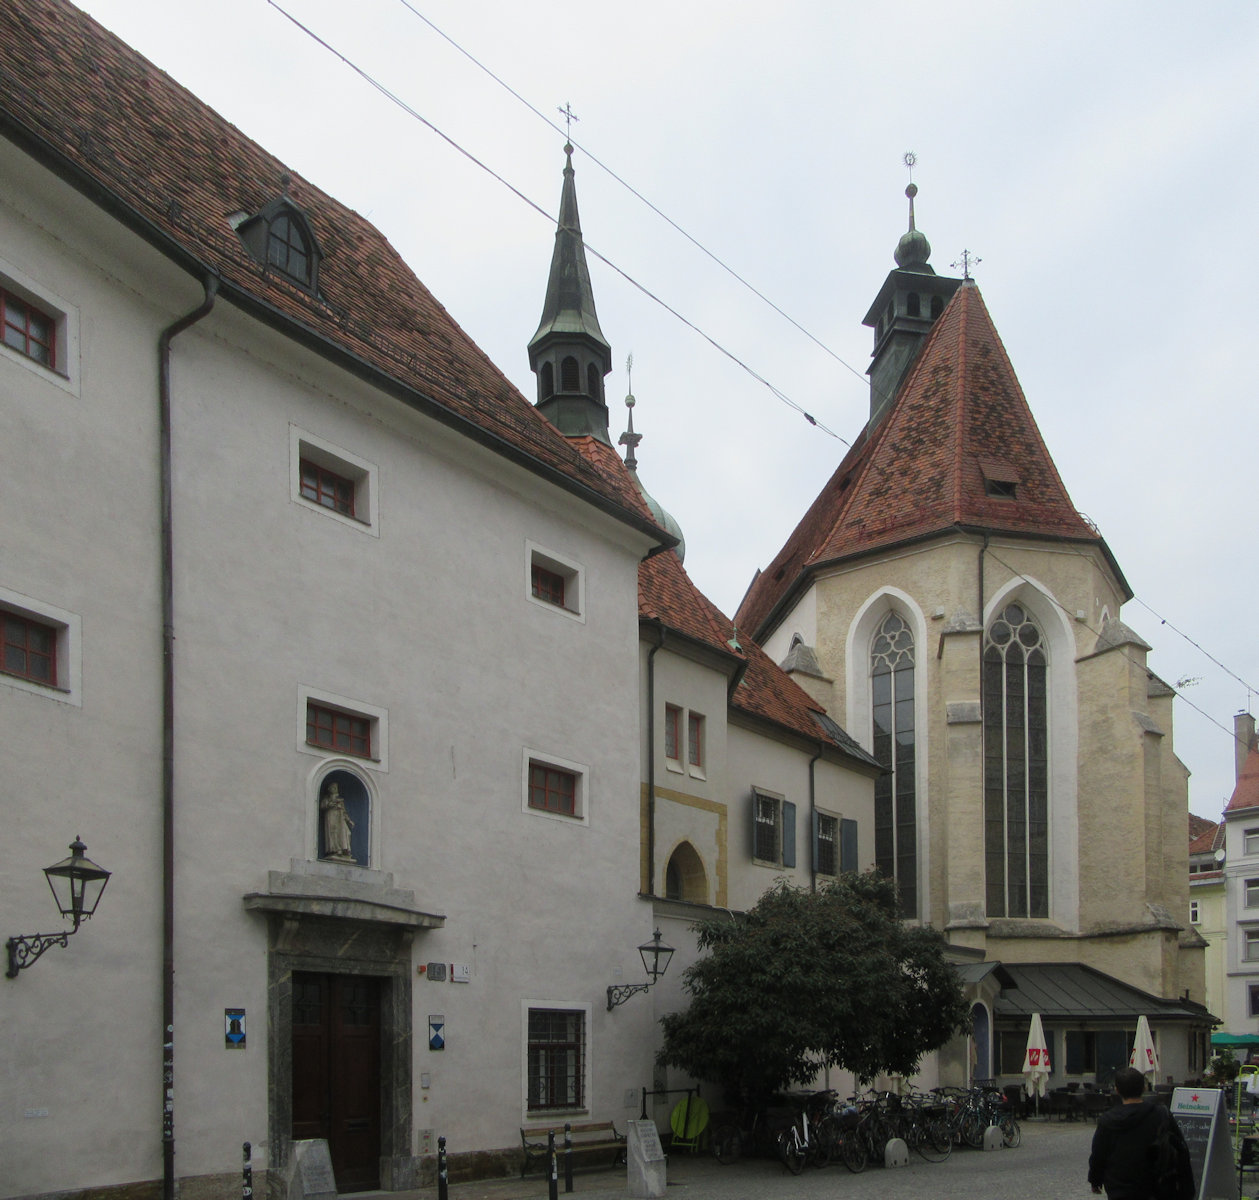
(569, 117)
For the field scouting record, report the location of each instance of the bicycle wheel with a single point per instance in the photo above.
(931, 1141)
(727, 1143)
(1011, 1134)
(790, 1150)
(823, 1141)
(852, 1150)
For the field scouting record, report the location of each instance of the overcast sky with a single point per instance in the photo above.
(1099, 158)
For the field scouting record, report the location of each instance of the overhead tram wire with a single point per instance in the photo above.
(393, 98)
(629, 187)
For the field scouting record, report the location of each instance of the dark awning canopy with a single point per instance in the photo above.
(1075, 992)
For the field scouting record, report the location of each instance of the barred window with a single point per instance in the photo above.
(556, 1058)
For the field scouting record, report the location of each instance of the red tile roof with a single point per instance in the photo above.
(1204, 834)
(667, 595)
(1246, 793)
(147, 150)
(959, 415)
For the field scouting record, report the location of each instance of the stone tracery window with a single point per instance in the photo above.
(1016, 766)
(895, 798)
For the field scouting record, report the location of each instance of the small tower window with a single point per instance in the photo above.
(937, 306)
(570, 375)
(913, 305)
(593, 380)
(546, 380)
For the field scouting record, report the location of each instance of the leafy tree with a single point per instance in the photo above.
(807, 980)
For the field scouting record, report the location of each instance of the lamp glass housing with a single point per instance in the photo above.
(77, 883)
(656, 956)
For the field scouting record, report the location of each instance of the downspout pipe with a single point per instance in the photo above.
(168, 335)
(651, 759)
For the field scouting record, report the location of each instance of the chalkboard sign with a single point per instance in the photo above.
(1200, 1114)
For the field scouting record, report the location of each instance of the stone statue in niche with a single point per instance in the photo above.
(337, 825)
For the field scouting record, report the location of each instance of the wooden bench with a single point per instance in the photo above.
(589, 1138)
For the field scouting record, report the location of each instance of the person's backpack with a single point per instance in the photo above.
(1173, 1175)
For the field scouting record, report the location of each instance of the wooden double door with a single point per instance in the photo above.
(336, 1072)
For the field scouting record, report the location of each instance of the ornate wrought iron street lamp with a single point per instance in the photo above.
(655, 955)
(77, 883)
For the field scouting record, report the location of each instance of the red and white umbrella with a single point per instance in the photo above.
(1144, 1055)
(1036, 1065)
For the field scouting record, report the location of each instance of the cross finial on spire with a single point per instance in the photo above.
(629, 438)
(569, 117)
(909, 159)
(967, 261)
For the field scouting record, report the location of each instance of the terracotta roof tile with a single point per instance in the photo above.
(1246, 793)
(960, 415)
(1203, 835)
(102, 115)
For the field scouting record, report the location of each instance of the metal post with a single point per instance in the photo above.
(247, 1178)
(443, 1182)
(643, 1117)
(568, 1156)
(553, 1182)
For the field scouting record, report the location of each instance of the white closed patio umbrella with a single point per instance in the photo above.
(1036, 1065)
(1144, 1056)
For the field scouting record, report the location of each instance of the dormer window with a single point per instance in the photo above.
(280, 237)
(1001, 479)
(288, 249)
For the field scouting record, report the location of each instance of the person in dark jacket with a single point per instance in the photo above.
(1123, 1159)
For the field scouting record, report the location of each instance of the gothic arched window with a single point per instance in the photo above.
(1016, 766)
(570, 375)
(593, 381)
(684, 876)
(546, 380)
(895, 800)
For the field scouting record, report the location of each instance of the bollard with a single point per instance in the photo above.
(443, 1181)
(568, 1156)
(247, 1177)
(553, 1183)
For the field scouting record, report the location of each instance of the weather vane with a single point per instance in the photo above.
(909, 159)
(629, 438)
(967, 261)
(569, 117)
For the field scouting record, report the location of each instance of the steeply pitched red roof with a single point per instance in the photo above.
(959, 420)
(147, 150)
(1204, 834)
(1246, 793)
(666, 594)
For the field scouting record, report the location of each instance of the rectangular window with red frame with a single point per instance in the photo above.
(28, 330)
(327, 488)
(343, 732)
(28, 649)
(695, 739)
(548, 585)
(552, 789)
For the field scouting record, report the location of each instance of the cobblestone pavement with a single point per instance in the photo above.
(1051, 1163)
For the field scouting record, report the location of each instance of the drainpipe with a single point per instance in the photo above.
(651, 759)
(211, 284)
(813, 819)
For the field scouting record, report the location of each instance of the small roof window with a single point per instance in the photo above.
(280, 237)
(1001, 479)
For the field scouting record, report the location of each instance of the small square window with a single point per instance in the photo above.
(332, 481)
(1251, 841)
(28, 330)
(326, 487)
(672, 732)
(548, 585)
(28, 648)
(695, 740)
(344, 732)
(554, 582)
(552, 789)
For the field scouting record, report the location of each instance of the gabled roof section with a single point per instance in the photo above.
(172, 170)
(667, 597)
(1203, 834)
(1246, 793)
(959, 449)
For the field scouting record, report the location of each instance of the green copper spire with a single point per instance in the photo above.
(569, 353)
